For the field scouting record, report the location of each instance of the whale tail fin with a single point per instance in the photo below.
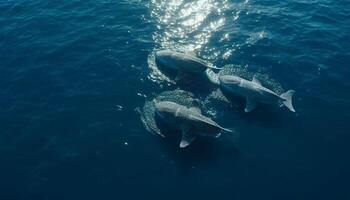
(232, 135)
(287, 99)
(227, 130)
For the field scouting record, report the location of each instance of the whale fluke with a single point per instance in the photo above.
(287, 96)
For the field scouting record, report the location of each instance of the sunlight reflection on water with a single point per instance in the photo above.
(184, 26)
(187, 25)
(191, 26)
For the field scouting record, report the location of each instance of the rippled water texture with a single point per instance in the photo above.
(75, 76)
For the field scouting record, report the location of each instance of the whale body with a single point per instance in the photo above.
(191, 121)
(181, 62)
(254, 92)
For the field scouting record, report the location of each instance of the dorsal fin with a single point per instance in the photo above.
(256, 81)
(191, 52)
(196, 109)
(196, 103)
(196, 106)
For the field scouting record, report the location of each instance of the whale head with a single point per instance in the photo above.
(166, 109)
(230, 81)
(164, 57)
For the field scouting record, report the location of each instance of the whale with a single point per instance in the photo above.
(190, 121)
(254, 92)
(182, 63)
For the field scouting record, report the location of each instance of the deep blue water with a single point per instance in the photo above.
(73, 72)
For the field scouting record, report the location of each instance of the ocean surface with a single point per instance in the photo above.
(76, 77)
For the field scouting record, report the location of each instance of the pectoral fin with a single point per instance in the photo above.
(187, 137)
(251, 105)
(218, 135)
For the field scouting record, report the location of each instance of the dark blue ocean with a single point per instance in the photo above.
(74, 75)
